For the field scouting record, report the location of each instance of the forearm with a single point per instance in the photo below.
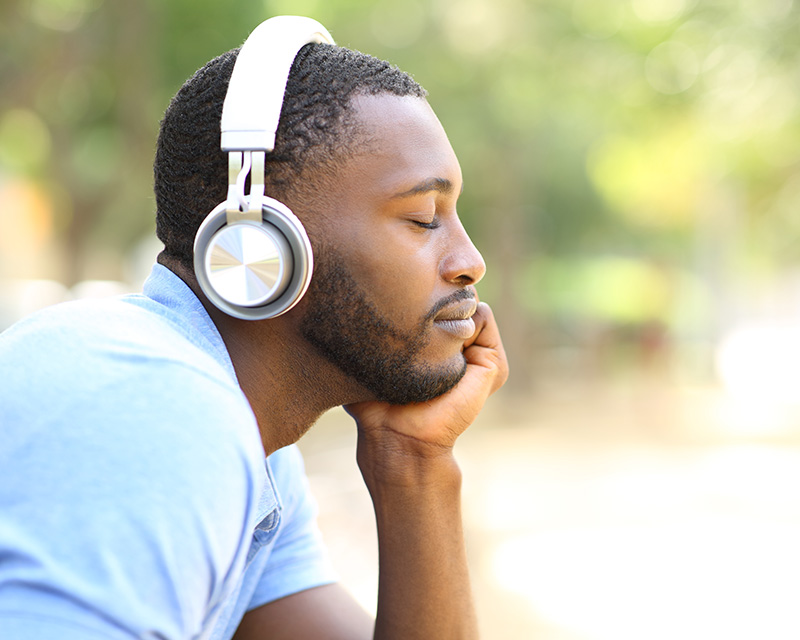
(424, 589)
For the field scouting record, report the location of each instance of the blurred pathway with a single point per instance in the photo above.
(606, 514)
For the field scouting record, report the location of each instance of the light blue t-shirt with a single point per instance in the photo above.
(135, 501)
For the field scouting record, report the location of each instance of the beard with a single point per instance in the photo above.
(351, 333)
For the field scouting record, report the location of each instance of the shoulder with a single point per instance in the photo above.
(124, 379)
(130, 329)
(110, 394)
(106, 344)
(114, 398)
(119, 430)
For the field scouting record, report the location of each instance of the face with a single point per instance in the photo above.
(392, 295)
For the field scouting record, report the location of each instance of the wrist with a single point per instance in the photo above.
(407, 463)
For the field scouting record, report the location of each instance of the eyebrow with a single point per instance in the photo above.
(441, 185)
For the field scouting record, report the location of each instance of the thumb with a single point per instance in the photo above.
(486, 358)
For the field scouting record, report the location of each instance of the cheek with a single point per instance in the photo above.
(398, 275)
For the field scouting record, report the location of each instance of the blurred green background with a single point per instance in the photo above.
(632, 176)
(631, 167)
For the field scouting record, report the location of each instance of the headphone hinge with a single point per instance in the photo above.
(240, 206)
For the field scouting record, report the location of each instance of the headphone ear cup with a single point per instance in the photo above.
(253, 270)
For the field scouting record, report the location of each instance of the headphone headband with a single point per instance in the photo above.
(253, 103)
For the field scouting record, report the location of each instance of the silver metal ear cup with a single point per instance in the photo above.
(252, 270)
(248, 263)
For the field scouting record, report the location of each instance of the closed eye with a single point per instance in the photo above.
(433, 224)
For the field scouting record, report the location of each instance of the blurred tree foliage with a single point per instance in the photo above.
(625, 161)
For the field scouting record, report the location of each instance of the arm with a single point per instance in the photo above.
(328, 612)
(405, 456)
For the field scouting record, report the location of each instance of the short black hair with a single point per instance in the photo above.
(316, 127)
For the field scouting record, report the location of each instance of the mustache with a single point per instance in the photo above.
(461, 294)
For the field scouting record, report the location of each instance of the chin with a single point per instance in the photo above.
(420, 383)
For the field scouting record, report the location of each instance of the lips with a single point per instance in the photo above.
(461, 310)
(456, 319)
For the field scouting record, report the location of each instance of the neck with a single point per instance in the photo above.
(288, 384)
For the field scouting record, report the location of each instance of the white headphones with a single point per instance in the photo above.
(252, 256)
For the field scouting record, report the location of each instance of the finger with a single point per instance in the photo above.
(485, 349)
(479, 382)
(479, 317)
(486, 332)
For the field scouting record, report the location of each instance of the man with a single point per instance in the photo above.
(136, 502)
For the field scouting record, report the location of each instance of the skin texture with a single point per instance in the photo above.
(389, 220)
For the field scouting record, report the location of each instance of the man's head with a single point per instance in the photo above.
(365, 164)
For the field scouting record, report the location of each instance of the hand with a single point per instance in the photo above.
(435, 425)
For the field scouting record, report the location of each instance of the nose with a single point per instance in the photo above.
(462, 263)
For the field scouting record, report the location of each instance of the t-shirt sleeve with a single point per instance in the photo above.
(126, 506)
(298, 560)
